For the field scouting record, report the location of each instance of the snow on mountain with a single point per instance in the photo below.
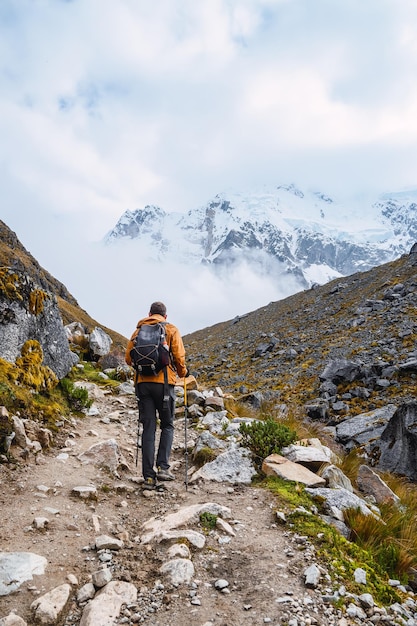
(279, 231)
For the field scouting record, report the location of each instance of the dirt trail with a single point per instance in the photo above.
(261, 562)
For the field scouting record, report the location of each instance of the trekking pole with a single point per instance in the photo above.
(138, 440)
(185, 433)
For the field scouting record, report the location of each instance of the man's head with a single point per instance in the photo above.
(159, 308)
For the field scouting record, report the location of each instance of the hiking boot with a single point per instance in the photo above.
(149, 484)
(165, 474)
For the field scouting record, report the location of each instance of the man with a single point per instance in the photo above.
(150, 391)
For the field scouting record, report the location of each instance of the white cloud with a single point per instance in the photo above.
(107, 106)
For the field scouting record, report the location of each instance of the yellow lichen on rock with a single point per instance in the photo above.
(36, 301)
(10, 284)
(31, 372)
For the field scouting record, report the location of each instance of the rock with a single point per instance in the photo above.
(40, 523)
(277, 465)
(364, 428)
(179, 571)
(360, 576)
(179, 550)
(341, 370)
(221, 584)
(340, 499)
(103, 454)
(49, 608)
(12, 620)
(105, 608)
(194, 538)
(312, 576)
(216, 422)
(99, 342)
(85, 492)
(18, 567)
(207, 440)
(335, 478)
(233, 466)
(371, 484)
(104, 542)
(155, 526)
(397, 445)
(101, 577)
(85, 593)
(310, 453)
(42, 323)
(214, 402)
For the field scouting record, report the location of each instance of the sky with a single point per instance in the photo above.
(109, 105)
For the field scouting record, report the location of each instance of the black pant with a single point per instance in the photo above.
(151, 401)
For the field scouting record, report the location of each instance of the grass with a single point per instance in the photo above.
(340, 556)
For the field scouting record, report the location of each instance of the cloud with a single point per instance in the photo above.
(108, 106)
(118, 285)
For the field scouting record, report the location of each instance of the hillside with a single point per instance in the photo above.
(280, 349)
(13, 254)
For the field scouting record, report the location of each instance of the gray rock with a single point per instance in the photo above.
(397, 445)
(364, 428)
(18, 567)
(99, 342)
(101, 577)
(335, 478)
(233, 466)
(340, 499)
(180, 571)
(46, 327)
(85, 593)
(360, 576)
(312, 576)
(341, 370)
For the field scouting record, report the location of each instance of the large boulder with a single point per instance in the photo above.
(30, 313)
(397, 445)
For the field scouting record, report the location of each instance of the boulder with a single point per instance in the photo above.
(99, 342)
(397, 446)
(34, 315)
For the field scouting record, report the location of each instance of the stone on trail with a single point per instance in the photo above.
(180, 571)
(233, 466)
(103, 454)
(12, 620)
(49, 608)
(18, 567)
(105, 608)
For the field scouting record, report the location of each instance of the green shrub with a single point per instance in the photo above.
(266, 437)
(77, 397)
(208, 520)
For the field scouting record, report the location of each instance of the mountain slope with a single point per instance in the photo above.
(13, 254)
(280, 350)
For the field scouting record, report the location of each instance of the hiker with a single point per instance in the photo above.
(155, 393)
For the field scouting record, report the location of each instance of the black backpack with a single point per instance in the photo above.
(150, 354)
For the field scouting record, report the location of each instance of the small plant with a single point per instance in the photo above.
(208, 521)
(77, 397)
(266, 437)
(204, 455)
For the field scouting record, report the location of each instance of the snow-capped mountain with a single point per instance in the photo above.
(282, 231)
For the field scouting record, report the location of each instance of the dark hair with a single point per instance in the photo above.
(159, 308)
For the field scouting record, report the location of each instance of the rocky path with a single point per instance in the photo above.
(64, 507)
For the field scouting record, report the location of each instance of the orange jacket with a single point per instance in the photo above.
(176, 347)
